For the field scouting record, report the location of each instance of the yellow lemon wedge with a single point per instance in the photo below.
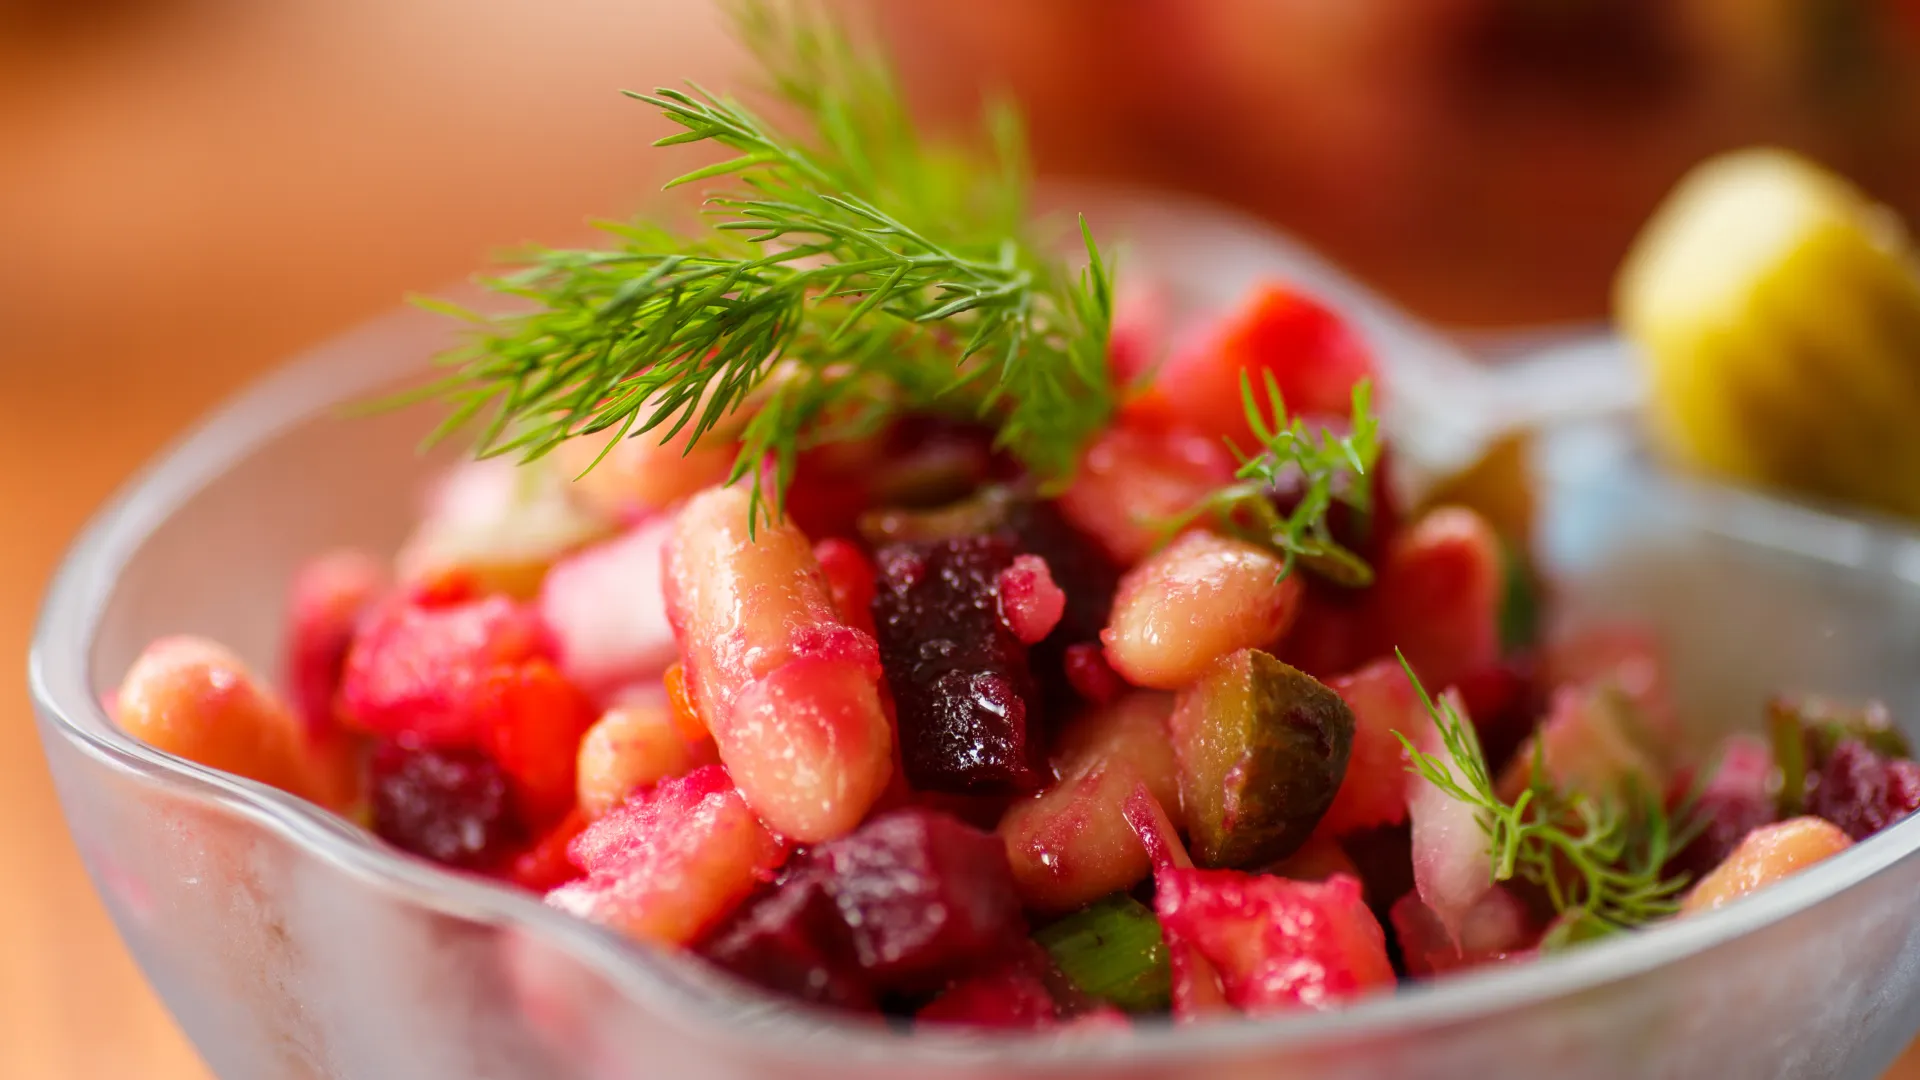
(1778, 311)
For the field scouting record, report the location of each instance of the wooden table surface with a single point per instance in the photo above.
(190, 190)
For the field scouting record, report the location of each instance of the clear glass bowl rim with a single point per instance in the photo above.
(361, 363)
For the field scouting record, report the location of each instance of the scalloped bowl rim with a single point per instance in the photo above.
(361, 362)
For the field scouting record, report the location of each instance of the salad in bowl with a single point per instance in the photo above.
(907, 627)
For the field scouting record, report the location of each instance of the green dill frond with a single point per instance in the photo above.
(1323, 467)
(855, 269)
(1599, 857)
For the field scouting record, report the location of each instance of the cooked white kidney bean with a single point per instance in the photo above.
(789, 690)
(1768, 854)
(191, 697)
(1201, 597)
(633, 746)
(1071, 844)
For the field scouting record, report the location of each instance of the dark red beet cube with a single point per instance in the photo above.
(1011, 999)
(451, 806)
(1088, 576)
(960, 679)
(791, 940)
(924, 897)
(1862, 792)
(910, 901)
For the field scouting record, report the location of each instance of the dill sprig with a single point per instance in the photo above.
(1600, 857)
(1323, 467)
(845, 276)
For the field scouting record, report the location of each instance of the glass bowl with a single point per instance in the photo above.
(289, 943)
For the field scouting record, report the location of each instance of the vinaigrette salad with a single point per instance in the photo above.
(938, 744)
(860, 597)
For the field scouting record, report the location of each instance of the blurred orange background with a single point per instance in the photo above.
(192, 189)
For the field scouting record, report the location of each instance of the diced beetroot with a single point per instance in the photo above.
(605, 609)
(1437, 597)
(412, 672)
(1503, 701)
(545, 865)
(1374, 791)
(1277, 944)
(1733, 802)
(1330, 636)
(910, 901)
(1086, 576)
(1088, 672)
(1012, 999)
(960, 679)
(924, 897)
(1862, 792)
(791, 940)
(1314, 355)
(850, 577)
(1452, 862)
(1383, 860)
(532, 720)
(1497, 928)
(669, 864)
(1030, 603)
(452, 806)
(330, 595)
(832, 486)
(1076, 564)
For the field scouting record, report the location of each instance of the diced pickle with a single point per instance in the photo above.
(1112, 950)
(1262, 750)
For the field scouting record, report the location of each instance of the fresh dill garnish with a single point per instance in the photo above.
(845, 276)
(1324, 468)
(1600, 857)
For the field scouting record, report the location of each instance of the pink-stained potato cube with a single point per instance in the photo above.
(1072, 844)
(1276, 944)
(607, 613)
(668, 865)
(1374, 790)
